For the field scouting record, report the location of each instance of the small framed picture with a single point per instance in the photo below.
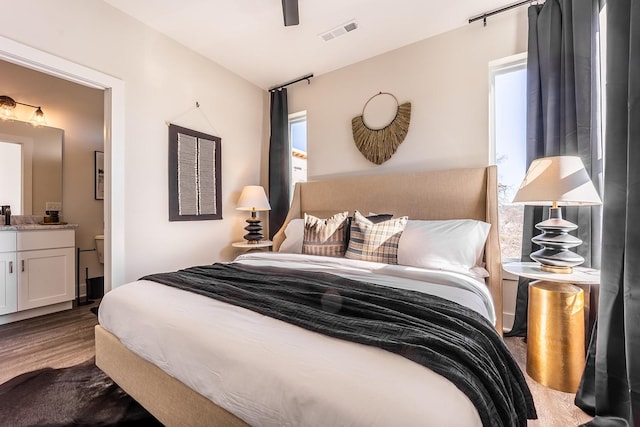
(99, 175)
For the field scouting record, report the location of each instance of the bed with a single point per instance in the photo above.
(248, 363)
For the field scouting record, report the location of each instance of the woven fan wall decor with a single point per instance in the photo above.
(378, 145)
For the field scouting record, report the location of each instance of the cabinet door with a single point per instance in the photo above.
(46, 277)
(8, 283)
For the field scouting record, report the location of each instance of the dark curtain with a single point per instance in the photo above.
(562, 117)
(610, 389)
(279, 161)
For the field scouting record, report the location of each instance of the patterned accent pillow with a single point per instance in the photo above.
(376, 218)
(326, 237)
(375, 242)
(373, 217)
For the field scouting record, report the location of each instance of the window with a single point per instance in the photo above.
(298, 140)
(508, 84)
(11, 176)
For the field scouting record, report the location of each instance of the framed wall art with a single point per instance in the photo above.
(98, 166)
(194, 175)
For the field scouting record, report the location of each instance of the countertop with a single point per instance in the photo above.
(32, 227)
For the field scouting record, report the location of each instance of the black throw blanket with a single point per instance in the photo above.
(451, 340)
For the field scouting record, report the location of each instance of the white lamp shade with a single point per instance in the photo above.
(252, 198)
(561, 179)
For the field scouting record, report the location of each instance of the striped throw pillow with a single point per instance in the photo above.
(326, 237)
(375, 242)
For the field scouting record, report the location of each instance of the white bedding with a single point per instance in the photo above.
(270, 373)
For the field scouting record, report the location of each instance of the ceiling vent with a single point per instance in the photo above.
(340, 30)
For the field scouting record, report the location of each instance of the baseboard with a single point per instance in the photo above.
(507, 321)
(35, 312)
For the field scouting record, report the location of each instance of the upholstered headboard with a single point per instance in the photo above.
(427, 195)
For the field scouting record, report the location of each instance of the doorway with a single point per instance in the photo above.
(19, 54)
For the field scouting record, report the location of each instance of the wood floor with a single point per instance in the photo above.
(65, 339)
(555, 408)
(56, 340)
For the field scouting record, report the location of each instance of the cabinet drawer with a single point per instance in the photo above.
(45, 239)
(7, 241)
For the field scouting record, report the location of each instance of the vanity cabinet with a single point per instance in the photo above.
(8, 273)
(37, 272)
(46, 267)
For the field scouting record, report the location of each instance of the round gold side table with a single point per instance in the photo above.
(555, 335)
(556, 324)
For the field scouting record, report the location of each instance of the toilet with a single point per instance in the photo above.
(100, 247)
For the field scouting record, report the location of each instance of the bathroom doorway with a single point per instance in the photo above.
(113, 104)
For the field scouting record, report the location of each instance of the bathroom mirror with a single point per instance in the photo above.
(30, 166)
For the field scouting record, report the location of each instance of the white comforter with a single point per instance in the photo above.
(270, 373)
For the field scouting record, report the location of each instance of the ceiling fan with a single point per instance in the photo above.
(290, 12)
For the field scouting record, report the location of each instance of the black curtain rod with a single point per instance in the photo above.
(299, 79)
(485, 15)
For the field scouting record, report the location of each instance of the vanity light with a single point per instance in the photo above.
(8, 104)
(38, 117)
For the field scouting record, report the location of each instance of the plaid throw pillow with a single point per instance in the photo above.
(326, 237)
(375, 242)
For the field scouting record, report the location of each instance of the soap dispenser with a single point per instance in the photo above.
(7, 214)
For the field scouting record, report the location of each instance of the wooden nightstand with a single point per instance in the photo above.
(261, 245)
(557, 323)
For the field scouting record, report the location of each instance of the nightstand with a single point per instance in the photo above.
(261, 245)
(557, 323)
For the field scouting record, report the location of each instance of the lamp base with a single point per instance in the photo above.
(553, 269)
(254, 229)
(555, 256)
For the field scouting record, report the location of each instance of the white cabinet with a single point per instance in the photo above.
(47, 267)
(8, 273)
(37, 272)
(46, 277)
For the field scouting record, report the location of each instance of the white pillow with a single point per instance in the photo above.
(294, 235)
(454, 245)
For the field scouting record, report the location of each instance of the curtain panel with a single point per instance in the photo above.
(610, 387)
(562, 117)
(279, 161)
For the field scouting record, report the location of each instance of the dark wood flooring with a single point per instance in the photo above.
(66, 338)
(56, 340)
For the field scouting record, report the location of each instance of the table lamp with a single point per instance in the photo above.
(557, 181)
(253, 199)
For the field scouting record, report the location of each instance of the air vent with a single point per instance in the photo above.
(340, 30)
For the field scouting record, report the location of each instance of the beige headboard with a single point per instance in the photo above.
(443, 194)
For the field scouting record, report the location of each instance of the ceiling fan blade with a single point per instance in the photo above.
(290, 12)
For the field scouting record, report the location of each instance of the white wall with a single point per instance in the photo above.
(163, 80)
(509, 296)
(446, 80)
(444, 77)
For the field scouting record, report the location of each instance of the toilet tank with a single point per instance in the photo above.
(100, 247)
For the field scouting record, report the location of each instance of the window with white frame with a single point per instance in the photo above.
(11, 176)
(298, 144)
(508, 112)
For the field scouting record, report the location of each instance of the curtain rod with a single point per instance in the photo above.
(299, 79)
(485, 15)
